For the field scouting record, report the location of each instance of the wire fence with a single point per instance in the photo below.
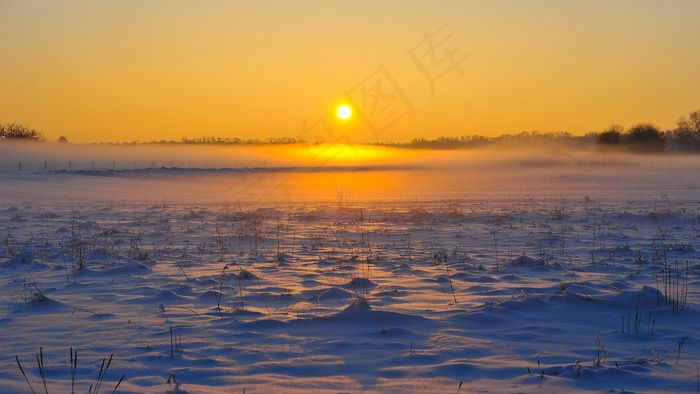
(107, 165)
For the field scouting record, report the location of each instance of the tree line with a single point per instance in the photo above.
(647, 137)
(642, 137)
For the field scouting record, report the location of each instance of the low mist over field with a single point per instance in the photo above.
(213, 173)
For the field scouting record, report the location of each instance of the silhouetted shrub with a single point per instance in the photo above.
(645, 137)
(12, 131)
(612, 136)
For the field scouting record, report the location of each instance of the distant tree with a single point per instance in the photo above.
(686, 136)
(644, 137)
(683, 140)
(13, 131)
(611, 136)
(62, 140)
(691, 123)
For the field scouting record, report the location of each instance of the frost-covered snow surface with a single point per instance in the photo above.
(570, 289)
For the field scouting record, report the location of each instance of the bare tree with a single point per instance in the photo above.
(691, 123)
(12, 131)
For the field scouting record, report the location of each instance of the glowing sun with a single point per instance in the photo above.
(344, 111)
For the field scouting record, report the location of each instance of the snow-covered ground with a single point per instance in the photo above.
(564, 282)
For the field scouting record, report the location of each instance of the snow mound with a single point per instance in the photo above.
(525, 261)
(46, 305)
(126, 267)
(333, 293)
(360, 283)
(359, 311)
(647, 296)
(245, 275)
(359, 304)
(22, 258)
(168, 296)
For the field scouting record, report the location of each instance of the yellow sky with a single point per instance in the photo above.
(128, 70)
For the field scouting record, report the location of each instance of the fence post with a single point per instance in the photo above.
(19, 165)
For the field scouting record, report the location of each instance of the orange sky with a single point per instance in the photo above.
(127, 70)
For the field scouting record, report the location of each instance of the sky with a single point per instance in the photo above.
(148, 70)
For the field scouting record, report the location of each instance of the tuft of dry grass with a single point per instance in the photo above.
(93, 389)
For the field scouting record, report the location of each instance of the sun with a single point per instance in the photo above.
(344, 111)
